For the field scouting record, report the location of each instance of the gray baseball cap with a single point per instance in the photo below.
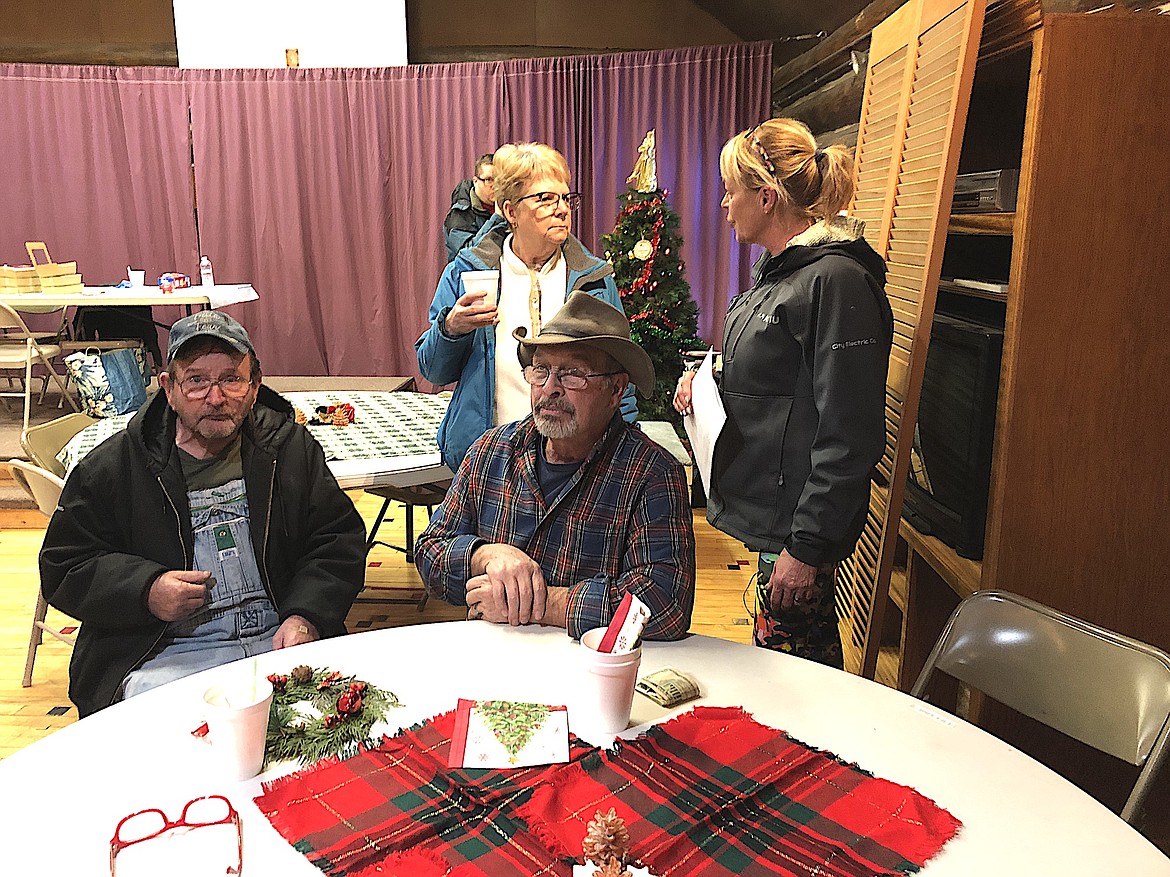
(214, 323)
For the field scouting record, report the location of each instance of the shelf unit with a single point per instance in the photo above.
(982, 223)
(1079, 500)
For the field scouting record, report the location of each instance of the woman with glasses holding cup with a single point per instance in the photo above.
(515, 274)
(805, 352)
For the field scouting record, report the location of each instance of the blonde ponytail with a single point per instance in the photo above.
(782, 155)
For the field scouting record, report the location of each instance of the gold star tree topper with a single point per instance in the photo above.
(645, 175)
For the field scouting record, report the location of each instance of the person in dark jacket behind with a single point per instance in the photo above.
(805, 354)
(208, 530)
(472, 204)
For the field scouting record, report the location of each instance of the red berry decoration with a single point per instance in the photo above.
(349, 703)
(278, 682)
(332, 721)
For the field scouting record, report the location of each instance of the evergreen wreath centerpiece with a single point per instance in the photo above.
(317, 713)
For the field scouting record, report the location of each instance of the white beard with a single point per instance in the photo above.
(552, 428)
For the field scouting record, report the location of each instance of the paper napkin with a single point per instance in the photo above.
(625, 629)
(503, 733)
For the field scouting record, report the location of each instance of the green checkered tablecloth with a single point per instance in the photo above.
(387, 425)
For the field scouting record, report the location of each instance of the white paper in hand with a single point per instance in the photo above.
(706, 419)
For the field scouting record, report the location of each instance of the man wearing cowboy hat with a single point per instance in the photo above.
(552, 519)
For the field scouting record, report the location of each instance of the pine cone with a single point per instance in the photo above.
(301, 674)
(611, 868)
(606, 838)
(340, 418)
(299, 416)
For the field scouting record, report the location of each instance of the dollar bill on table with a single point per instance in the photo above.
(668, 687)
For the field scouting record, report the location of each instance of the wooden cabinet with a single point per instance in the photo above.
(1079, 499)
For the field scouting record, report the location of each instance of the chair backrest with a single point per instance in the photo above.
(10, 319)
(42, 443)
(1109, 691)
(44, 487)
(14, 328)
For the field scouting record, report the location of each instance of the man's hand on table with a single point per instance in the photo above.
(178, 593)
(509, 588)
(293, 631)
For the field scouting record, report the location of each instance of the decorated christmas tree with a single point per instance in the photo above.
(649, 272)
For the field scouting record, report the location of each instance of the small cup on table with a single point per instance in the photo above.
(237, 723)
(608, 691)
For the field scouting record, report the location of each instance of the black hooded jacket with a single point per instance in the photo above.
(123, 520)
(805, 354)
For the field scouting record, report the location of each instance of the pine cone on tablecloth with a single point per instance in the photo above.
(300, 417)
(340, 418)
(606, 837)
(612, 868)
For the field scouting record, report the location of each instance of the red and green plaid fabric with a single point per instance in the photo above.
(349, 815)
(728, 796)
(712, 792)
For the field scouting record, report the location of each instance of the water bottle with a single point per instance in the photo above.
(205, 275)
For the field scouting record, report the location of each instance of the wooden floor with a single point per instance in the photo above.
(391, 598)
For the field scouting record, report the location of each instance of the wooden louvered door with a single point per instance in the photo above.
(922, 63)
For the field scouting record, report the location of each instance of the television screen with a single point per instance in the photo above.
(946, 494)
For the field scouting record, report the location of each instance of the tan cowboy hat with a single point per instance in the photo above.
(589, 320)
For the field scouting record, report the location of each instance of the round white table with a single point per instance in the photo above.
(64, 795)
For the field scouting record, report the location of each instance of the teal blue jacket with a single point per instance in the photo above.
(470, 359)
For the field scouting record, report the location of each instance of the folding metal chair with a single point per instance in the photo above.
(45, 489)
(20, 349)
(42, 443)
(1101, 688)
(429, 495)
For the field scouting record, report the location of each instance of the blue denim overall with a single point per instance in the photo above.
(239, 620)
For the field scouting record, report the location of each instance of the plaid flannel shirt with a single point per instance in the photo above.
(622, 524)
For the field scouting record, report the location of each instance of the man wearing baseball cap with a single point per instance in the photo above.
(208, 530)
(554, 518)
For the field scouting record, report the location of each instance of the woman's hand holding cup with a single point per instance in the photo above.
(471, 312)
(476, 308)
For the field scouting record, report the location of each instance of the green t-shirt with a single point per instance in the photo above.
(215, 471)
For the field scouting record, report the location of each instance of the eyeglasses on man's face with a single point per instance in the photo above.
(550, 200)
(204, 812)
(198, 386)
(487, 181)
(569, 378)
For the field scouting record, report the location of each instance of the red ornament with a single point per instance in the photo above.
(332, 721)
(328, 681)
(278, 682)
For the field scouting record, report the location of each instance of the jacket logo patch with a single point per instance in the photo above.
(860, 342)
(770, 318)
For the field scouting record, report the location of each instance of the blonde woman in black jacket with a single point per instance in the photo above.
(805, 354)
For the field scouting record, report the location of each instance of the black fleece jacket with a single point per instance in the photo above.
(805, 354)
(123, 520)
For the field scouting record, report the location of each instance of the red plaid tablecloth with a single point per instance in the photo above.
(712, 792)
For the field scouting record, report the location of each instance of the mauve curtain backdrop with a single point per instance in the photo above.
(326, 188)
(97, 164)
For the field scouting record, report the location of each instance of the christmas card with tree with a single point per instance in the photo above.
(502, 733)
